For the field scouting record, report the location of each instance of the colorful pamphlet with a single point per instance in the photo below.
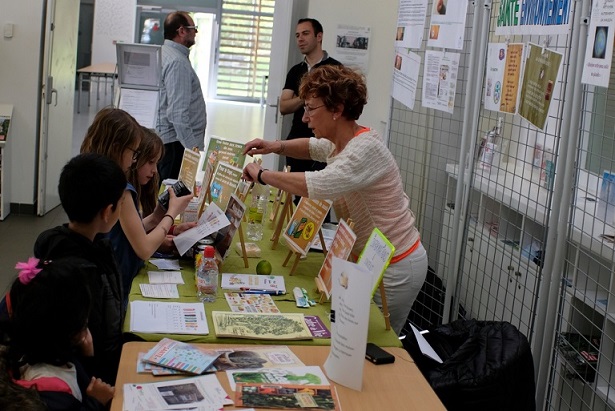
(376, 256)
(235, 210)
(251, 303)
(256, 356)
(179, 356)
(286, 396)
(341, 247)
(310, 375)
(270, 284)
(221, 150)
(305, 223)
(262, 326)
(168, 318)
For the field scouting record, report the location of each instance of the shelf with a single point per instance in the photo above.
(607, 393)
(591, 299)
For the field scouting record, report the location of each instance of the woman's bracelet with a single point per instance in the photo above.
(170, 216)
(281, 150)
(260, 180)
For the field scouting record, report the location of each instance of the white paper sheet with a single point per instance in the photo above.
(425, 347)
(212, 220)
(165, 264)
(350, 302)
(141, 104)
(165, 277)
(169, 318)
(159, 290)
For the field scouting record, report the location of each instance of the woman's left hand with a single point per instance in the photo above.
(250, 172)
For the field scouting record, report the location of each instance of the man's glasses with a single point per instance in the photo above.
(195, 28)
(309, 110)
(135, 153)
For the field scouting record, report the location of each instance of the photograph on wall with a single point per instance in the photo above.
(502, 76)
(352, 46)
(539, 80)
(411, 17)
(447, 25)
(539, 17)
(599, 51)
(440, 80)
(5, 122)
(405, 77)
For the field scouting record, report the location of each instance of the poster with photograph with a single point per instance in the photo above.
(599, 51)
(502, 76)
(405, 77)
(447, 26)
(440, 80)
(352, 46)
(341, 247)
(220, 150)
(411, 17)
(538, 17)
(539, 80)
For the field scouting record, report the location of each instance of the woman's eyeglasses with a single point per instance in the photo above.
(309, 110)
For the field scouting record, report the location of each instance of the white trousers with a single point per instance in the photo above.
(402, 283)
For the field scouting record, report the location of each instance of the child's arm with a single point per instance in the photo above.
(100, 391)
(145, 244)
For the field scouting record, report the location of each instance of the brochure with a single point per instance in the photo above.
(272, 284)
(168, 318)
(305, 223)
(203, 391)
(255, 356)
(251, 303)
(311, 375)
(212, 220)
(317, 327)
(261, 326)
(179, 356)
(159, 290)
(286, 396)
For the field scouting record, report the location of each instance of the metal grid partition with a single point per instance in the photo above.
(499, 237)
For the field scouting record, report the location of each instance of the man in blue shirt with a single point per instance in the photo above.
(182, 113)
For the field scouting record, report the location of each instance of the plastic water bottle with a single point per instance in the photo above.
(258, 212)
(207, 276)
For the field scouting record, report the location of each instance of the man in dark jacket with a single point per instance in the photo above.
(90, 189)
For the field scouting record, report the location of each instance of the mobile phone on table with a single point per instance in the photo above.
(377, 355)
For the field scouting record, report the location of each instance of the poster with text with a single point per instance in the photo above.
(502, 76)
(411, 17)
(533, 17)
(599, 51)
(448, 23)
(440, 80)
(305, 223)
(539, 79)
(189, 168)
(341, 247)
(405, 77)
(226, 151)
(224, 183)
(352, 46)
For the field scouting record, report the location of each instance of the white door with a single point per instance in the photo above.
(57, 98)
(284, 54)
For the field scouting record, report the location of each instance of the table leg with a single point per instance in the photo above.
(98, 88)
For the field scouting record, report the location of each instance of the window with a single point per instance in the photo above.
(245, 47)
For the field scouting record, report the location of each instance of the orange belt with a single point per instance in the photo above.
(406, 253)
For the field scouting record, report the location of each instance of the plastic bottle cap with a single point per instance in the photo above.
(209, 252)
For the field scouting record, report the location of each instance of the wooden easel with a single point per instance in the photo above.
(283, 217)
(244, 254)
(299, 255)
(385, 307)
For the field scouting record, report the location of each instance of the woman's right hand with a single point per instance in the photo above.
(100, 390)
(177, 205)
(259, 146)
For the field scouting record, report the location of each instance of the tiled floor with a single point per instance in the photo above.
(239, 122)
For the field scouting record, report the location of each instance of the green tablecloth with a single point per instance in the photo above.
(303, 276)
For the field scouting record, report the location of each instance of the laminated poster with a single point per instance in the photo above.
(305, 223)
(341, 247)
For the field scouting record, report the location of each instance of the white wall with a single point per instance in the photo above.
(19, 82)
(113, 21)
(381, 17)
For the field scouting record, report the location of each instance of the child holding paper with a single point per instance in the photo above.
(135, 237)
(46, 333)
